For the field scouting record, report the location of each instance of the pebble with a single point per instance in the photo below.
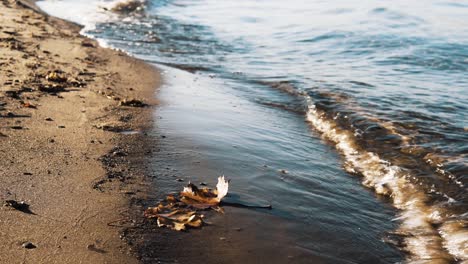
(28, 245)
(119, 153)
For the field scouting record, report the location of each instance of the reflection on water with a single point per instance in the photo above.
(384, 82)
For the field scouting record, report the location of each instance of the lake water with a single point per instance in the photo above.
(349, 117)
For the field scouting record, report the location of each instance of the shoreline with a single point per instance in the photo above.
(202, 131)
(63, 103)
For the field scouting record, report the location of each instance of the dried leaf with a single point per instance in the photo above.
(181, 211)
(205, 197)
(194, 196)
(179, 219)
(178, 226)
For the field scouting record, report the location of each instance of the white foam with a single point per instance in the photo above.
(87, 13)
(84, 12)
(422, 240)
(456, 239)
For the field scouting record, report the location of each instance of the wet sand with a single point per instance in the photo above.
(67, 174)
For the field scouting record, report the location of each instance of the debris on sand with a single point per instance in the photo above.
(93, 247)
(132, 102)
(88, 43)
(15, 93)
(28, 245)
(20, 206)
(204, 198)
(52, 89)
(12, 93)
(29, 105)
(13, 43)
(180, 211)
(112, 127)
(56, 76)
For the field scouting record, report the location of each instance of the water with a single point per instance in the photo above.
(334, 92)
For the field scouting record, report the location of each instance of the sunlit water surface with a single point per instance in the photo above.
(334, 93)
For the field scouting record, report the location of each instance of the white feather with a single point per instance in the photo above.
(222, 187)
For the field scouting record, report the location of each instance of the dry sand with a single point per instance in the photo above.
(60, 147)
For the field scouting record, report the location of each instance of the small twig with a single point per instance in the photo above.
(269, 207)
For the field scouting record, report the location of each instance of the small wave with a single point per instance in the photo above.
(419, 219)
(283, 86)
(362, 84)
(333, 36)
(184, 67)
(454, 4)
(282, 106)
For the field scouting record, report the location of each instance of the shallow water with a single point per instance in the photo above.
(335, 93)
(218, 131)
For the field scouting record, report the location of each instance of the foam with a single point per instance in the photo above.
(85, 12)
(421, 239)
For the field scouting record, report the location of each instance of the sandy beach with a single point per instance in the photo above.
(72, 117)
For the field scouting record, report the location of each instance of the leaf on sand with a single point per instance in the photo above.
(181, 211)
(205, 197)
(179, 219)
